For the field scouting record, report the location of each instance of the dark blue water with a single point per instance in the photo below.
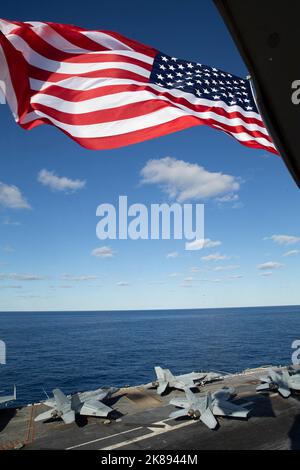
(85, 350)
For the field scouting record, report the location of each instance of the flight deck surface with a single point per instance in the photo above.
(141, 421)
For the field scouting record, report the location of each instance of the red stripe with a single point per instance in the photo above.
(83, 95)
(72, 34)
(135, 45)
(106, 143)
(68, 32)
(130, 111)
(18, 74)
(69, 95)
(48, 76)
(46, 50)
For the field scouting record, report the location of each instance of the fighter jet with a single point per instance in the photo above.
(279, 381)
(66, 407)
(7, 398)
(165, 379)
(208, 406)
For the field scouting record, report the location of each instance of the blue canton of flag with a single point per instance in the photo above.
(202, 81)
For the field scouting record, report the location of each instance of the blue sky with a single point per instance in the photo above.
(45, 248)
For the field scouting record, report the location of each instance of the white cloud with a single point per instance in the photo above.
(284, 239)
(11, 197)
(123, 284)
(103, 252)
(195, 269)
(266, 274)
(270, 265)
(291, 253)
(206, 243)
(228, 198)
(185, 181)
(59, 183)
(69, 277)
(10, 222)
(173, 254)
(175, 274)
(225, 268)
(11, 287)
(215, 257)
(21, 277)
(189, 279)
(235, 276)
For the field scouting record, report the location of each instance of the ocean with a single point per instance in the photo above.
(79, 351)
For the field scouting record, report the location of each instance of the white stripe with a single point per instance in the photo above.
(129, 97)
(37, 60)
(104, 438)
(53, 38)
(48, 34)
(244, 137)
(6, 27)
(32, 116)
(82, 83)
(106, 40)
(122, 126)
(125, 126)
(6, 85)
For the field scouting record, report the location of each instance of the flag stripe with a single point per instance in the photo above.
(105, 90)
(101, 98)
(43, 48)
(100, 87)
(90, 110)
(158, 130)
(39, 61)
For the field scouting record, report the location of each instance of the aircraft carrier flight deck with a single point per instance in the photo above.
(140, 420)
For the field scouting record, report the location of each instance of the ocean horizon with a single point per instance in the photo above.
(84, 350)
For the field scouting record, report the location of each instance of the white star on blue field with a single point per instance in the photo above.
(50, 187)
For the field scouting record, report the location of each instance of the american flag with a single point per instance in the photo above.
(106, 91)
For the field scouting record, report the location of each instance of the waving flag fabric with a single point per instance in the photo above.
(106, 91)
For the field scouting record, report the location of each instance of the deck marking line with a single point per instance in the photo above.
(155, 432)
(105, 437)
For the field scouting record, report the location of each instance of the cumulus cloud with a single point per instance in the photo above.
(206, 243)
(103, 252)
(173, 254)
(59, 183)
(185, 181)
(270, 265)
(284, 239)
(12, 198)
(291, 253)
(215, 257)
